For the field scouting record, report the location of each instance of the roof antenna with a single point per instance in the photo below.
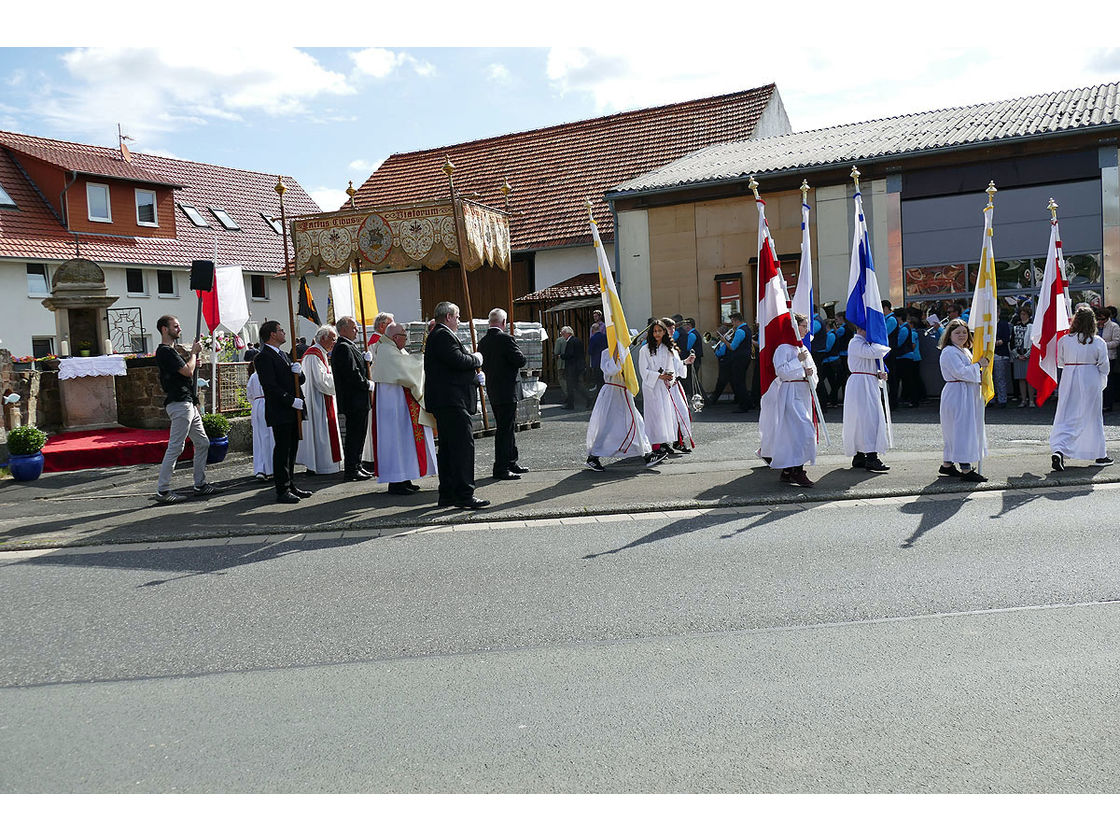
(125, 154)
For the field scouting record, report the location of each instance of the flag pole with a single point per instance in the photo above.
(883, 397)
(991, 191)
(449, 169)
(814, 380)
(350, 191)
(506, 190)
(213, 340)
(280, 190)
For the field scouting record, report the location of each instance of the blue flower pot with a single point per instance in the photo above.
(26, 467)
(218, 449)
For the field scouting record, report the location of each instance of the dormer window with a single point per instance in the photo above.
(146, 208)
(223, 217)
(273, 223)
(6, 200)
(97, 201)
(191, 213)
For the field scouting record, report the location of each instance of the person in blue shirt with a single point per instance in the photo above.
(734, 357)
(894, 379)
(842, 336)
(692, 343)
(908, 356)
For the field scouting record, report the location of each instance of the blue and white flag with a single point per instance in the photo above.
(865, 305)
(803, 294)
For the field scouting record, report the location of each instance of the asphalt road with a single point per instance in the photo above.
(949, 644)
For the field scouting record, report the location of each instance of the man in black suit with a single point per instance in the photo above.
(281, 402)
(502, 361)
(451, 374)
(573, 370)
(352, 388)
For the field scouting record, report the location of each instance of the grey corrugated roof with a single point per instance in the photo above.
(1047, 113)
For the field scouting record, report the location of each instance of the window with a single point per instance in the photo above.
(146, 208)
(97, 201)
(259, 286)
(134, 281)
(191, 213)
(42, 345)
(6, 200)
(730, 287)
(165, 283)
(273, 223)
(223, 217)
(139, 343)
(37, 284)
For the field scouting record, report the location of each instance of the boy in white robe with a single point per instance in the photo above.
(263, 442)
(320, 450)
(404, 445)
(865, 419)
(616, 428)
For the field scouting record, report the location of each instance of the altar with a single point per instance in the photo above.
(88, 392)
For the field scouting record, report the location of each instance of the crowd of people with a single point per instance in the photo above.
(370, 413)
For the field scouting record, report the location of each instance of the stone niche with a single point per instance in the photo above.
(80, 301)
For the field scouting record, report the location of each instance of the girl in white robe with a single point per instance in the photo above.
(865, 421)
(1078, 430)
(658, 368)
(616, 428)
(962, 414)
(263, 442)
(792, 435)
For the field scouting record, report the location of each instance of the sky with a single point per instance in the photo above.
(326, 114)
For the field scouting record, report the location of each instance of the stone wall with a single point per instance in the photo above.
(140, 397)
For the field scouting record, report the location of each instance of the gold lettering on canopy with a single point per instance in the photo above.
(400, 238)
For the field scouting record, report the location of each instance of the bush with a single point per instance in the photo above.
(26, 440)
(215, 425)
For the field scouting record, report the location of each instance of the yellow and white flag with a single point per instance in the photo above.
(985, 310)
(618, 335)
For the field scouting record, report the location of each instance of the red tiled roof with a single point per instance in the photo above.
(33, 232)
(581, 285)
(554, 170)
(91, 160)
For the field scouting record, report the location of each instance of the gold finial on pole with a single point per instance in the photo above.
(991, 191)
(590, 214)
(280, 188)
(1053, 208)
(804, 190)
(448, 167)
(753, 184)
(505, 188)
(350, 191)
(855, 177)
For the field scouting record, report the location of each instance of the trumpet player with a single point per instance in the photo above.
(734, 354)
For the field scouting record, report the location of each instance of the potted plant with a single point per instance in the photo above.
(25, 444)
(84, 347)
(217, 429)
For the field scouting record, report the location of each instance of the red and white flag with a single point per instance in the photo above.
(775, 326)
(1051, 321)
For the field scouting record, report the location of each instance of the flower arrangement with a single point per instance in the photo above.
(26, 440)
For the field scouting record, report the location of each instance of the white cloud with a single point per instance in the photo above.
(328, 198)
(379, 63)
(362, 165)
(499, 73)
(422, 68)
(157, 90)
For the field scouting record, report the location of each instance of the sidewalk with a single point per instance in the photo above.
(115, 506)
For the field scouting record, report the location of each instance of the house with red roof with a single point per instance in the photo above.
(143, 219)
(553, 171)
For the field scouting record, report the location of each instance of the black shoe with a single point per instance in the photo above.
(1057, 462)
(365, 472)
(876, 466)
(517, 468)
(445, 503)
(287, 498)
(1104, 462)
(950, 470)
(767, 460)
(506, 476)
(399, 488)
(472, 503)
(859, 461)
(681, 448)
(593, 463)
(412, 488)
(655, 458)
(786, 476)
(357, 476)
(972, 475)
(303, 494)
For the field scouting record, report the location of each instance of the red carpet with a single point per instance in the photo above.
(107, 448)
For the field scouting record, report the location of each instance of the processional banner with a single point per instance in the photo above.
(400, 238)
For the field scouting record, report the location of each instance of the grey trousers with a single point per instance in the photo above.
(185, 422)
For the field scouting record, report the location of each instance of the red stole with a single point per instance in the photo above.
(328, 400)
(417, 430)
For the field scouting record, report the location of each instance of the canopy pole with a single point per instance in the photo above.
(280, 190)
(506, 190)
(449, 168)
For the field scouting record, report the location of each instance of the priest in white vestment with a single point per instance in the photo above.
(616, 428)
(380, 325)
(263, 442)
(321, 448)
(402, 430)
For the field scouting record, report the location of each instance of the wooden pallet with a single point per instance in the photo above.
(519, 427)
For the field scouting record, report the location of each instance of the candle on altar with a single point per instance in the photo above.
(108, 347)
(65, 349)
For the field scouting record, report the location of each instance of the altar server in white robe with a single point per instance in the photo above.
(263, 442)
(616, 428)
(1078, 430)
(865, 419)
(405, 449)
(962, 414)
(659, 367)
(792, 436)
(320, 450)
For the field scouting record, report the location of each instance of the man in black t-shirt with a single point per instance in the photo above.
(181, 405)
